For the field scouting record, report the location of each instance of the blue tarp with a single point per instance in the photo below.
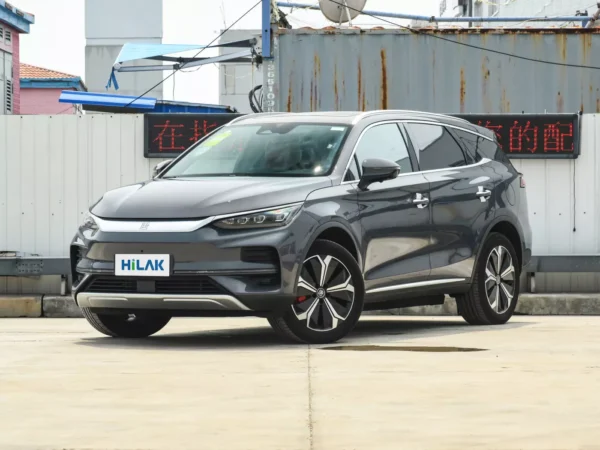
(108, 100)
(111, 102)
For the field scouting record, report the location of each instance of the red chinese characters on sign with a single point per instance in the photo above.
(167, 137)
(497, 129)
(201, 128)
(176, 137)
(557, 137)
(523, 138)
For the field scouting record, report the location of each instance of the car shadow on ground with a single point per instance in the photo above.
(368, 331)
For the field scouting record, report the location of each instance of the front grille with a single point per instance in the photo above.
(187, 285)
(112, 284)
(173, 285)
(260, 255)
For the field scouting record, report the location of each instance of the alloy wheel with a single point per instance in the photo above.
(325, 293)
(500, 279)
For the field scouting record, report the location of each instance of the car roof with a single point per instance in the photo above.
(354, 117)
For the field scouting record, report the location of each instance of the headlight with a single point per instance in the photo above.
(89, 222)
(263, 219)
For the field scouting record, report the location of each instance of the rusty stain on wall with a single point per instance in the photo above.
(335, 88)
(463, 90)
(504, 103)
(360, 86)
(560, 103)
(384, 81)
(561, 42)
(597, 105)
(289, 99)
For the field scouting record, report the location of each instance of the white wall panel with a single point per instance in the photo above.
(52, 168)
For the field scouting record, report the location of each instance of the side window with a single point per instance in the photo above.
(490, 150)
(471, 142)
(384, 142)
(352, 174)
(437, 147)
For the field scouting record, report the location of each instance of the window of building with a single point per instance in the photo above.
(437, 147)
(1, 33)
(6, 83)
(7, 37)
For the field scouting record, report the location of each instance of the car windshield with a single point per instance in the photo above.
(271, 150)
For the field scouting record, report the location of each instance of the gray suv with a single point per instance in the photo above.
(308, 220)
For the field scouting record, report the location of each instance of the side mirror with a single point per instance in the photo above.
(376, 171)
(160, 167)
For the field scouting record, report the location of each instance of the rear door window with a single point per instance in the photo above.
(437, 149)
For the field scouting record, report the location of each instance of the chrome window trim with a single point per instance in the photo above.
(398, 121)
(171, 226)
(417, 284)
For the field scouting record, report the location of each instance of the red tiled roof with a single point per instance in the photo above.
(29, 71)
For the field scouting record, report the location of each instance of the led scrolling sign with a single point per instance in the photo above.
(533, 136)
(537, 136)
(169, 135)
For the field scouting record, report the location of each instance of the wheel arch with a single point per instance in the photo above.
(506, 226)
(338, 232)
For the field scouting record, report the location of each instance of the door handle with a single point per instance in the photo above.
(421, 201)
(483, 194)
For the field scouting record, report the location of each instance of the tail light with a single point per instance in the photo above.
(522, 181)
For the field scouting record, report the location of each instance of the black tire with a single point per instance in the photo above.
(487, 302)
(310, 319)
(142, 325)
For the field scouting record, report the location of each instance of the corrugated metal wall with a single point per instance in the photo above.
(51, 169)
(386, 69)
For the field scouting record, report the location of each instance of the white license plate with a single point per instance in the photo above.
(143, 265)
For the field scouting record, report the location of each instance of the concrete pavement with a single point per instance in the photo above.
(232, 384)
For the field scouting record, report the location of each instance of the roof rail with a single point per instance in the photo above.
(383, 111)
(247, 116)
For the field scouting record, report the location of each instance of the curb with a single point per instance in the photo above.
(529, 304)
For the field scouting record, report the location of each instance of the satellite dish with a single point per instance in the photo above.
(341, 11)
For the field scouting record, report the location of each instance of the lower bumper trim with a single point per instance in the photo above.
(159, 301)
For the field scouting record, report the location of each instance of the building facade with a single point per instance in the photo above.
(237, 79)
(518, 8)
(41, 89)
(13, 22)
(109, 24)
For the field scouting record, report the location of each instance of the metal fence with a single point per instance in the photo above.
(52, 168)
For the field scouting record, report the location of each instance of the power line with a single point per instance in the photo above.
(476, 47)
(196, 55)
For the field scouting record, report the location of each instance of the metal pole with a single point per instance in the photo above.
(266, 29)
(470, 11)
(448, 19)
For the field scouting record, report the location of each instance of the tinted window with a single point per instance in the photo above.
(491, 150)
(437, 147)
(384, 142)
(471, 142)
(266, 150)
(352, 174)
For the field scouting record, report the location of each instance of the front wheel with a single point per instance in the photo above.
(329, 297)
(493, 296)
(139, 325)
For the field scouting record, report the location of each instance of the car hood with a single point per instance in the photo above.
(185, 198)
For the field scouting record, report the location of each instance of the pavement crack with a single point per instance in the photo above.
(310, 397)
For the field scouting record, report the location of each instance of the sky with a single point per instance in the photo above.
(57, 39)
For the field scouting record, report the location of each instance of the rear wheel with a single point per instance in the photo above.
(329, 297)
(139, 325)
(494, 293)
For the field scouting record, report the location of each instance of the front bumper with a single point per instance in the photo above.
(252, 271)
